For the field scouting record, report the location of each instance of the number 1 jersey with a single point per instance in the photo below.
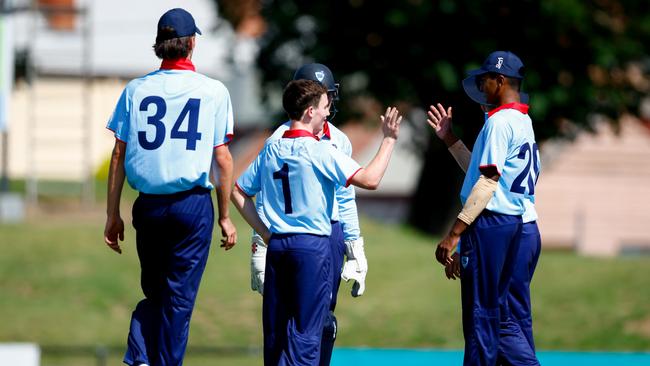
(297, 176)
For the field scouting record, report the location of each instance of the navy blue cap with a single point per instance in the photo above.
(180, 21)
(505, 63)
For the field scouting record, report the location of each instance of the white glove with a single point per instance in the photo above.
(258, 263)
(356, 266)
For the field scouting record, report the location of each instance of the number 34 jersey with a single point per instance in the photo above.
(297, 176)
(507, 142)
(171, 120)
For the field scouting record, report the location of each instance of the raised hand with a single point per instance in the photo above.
(390, 122)
(439, 119)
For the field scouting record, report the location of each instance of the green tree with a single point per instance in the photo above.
(582, 57)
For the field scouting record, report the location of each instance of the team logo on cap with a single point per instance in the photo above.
(319, 75)
(499, 62)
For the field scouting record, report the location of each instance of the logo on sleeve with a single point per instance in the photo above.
(464, 260)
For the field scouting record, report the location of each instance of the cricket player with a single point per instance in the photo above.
(169, 126)
(296, 177)
(498, 188)
(345, 239)
(530, 248)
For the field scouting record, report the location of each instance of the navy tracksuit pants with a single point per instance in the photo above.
(337, 252)
(519, 295)
(297, 296)
(173, 234)
(488, 254)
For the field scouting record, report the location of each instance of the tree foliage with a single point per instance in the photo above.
(582, 57)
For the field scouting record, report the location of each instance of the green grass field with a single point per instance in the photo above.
(60, 285)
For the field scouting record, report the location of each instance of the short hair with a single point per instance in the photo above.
(168, 48)
(301, 94)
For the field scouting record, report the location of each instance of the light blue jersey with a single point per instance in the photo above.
(507, 142)
(345, 210)
(530, 214)
(295, 178)
(171, 120)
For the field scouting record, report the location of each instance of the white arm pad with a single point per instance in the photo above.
(258, 263)
(461, 154)
(356, 266)
(478, 199)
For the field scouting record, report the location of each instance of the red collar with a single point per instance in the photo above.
(292, 134)
(178, 64)
(326, 131)
(523, 108)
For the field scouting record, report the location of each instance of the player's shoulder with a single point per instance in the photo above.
(510, 113)
(504, 119)
(198, 80)
(498, 118)
(211, 84)
(215, 82)
(336, 132)
(268, 147)
(278, 132)
(514, 119)
(321, 149)
(134, 84)
(339, 138)
(305, 146)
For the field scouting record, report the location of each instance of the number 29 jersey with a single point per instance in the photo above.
(507, 143)
(297, 176)
(171, 120)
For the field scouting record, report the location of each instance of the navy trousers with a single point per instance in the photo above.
(337, 243)
(173, 234)
(297, 296)
(519, 305)
(488, 253)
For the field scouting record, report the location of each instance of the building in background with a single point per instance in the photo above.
(76, 57)
(593, 195)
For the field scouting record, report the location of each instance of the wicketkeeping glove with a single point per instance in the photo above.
(258, 263)
(356, 266)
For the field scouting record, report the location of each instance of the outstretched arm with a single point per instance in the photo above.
(440, 121)
(370, 176)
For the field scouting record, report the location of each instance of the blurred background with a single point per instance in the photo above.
(64, 63)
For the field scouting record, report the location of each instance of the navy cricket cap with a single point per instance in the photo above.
(505, 63)
(181, 23)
